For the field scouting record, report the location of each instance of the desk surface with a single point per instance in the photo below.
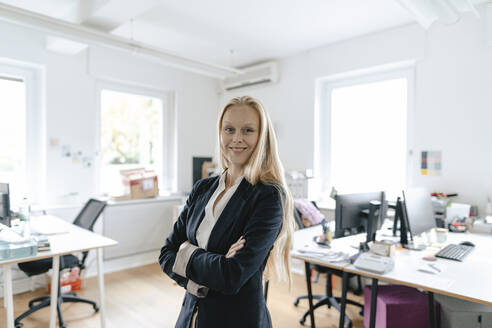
(75, 239)
(468, 280)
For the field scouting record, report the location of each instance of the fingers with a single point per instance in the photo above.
(235, 247)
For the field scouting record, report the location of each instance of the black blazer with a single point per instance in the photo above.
(235, 298)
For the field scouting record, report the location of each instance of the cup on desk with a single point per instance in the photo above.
(441, 235)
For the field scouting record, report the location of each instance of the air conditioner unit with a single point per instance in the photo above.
(261, 74)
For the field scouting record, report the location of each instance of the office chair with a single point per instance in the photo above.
(85, 219)
(327, 299)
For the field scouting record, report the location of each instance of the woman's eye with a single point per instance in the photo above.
(250, 130)
(229, 130)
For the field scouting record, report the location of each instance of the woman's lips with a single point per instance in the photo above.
(237, 149)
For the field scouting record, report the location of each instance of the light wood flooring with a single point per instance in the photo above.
(145, 297)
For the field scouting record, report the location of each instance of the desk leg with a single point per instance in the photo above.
(432, 315)
(54, 290)
(9, 302)
(343, 300)
(100, 276)
(374, 295)
(310, 292)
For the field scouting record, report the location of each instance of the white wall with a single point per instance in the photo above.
(453, 99)
(71, 106)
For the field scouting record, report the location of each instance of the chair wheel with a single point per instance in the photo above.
(296, 303)
(96, 308)
(301, 321)
(19, 325)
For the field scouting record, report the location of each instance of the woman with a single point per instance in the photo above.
(222, 240)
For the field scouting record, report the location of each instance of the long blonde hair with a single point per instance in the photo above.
(264, 165)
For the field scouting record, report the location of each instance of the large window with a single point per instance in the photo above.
(363, 139)
(22, 131)
(131, 136)
(13, 134)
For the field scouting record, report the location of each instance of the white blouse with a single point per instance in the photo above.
(211, 215)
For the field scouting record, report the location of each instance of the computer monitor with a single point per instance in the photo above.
(375, 217)
(348, 212)
(418, 210)
(4, 204)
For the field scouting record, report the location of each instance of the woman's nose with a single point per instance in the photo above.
(237, 137)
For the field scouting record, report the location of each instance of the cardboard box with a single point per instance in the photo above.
(140, 183)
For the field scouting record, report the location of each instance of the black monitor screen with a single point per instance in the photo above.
(348, 211)
(4, 204)
(420, 214)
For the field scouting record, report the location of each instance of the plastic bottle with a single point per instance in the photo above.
(25, 217)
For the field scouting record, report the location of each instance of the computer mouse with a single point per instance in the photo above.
(467, 243)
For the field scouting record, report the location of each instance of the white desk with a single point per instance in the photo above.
(468, 280)
(75, 240)
(304, 237)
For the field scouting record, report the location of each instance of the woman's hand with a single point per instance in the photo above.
(235, 247)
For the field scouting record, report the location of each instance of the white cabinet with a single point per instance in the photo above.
(456, 313)
(139, 226)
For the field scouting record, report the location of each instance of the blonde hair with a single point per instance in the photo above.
(264, 165)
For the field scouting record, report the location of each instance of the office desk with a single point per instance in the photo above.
(305, 237)
(468, 280)
(74, 240)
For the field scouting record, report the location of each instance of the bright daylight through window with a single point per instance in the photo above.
(369, 136)
(13, 135)
(131, 136)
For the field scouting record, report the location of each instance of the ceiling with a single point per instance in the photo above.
(231, 33)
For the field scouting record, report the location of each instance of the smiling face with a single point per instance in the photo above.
(239, 134)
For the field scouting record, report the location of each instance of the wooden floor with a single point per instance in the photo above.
(145, 297)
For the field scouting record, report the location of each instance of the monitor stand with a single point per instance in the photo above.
(414, 247)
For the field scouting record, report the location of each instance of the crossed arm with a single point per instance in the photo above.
(226, 273)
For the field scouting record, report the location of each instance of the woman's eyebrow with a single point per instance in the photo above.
(250, 124)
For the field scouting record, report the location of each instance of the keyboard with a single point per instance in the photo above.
(454, 252)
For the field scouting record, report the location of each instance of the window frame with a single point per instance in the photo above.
(35, 148)
(322, 130)
(167, 181)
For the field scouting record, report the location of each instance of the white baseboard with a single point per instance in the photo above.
(124, 263)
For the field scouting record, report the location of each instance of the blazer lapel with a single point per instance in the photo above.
(229, 215)
(199, 212)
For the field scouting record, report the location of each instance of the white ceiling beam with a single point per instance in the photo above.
(117, 12)
(83, 10)
(91, 36)
(426, 12)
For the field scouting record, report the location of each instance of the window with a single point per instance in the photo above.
(132, 131)
(13, 134)
(363, 139)
(22, 131)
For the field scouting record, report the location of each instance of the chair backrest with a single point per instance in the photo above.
(86, 219)
(89, 214)
(298, 216)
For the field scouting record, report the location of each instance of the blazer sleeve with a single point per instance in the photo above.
(228, 275)
(175, 239)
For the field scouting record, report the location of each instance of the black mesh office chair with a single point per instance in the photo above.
(85, 219)
(327, 299)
